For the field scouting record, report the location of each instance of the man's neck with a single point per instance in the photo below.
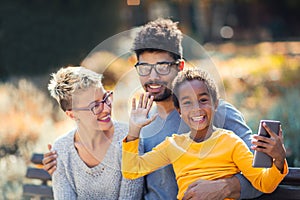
(164, 108)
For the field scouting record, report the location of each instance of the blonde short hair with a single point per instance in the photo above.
(67, 80)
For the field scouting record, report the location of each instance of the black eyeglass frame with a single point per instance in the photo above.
(91, 107)
(169, 64)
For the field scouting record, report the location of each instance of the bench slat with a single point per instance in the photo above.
(37, 173)
(286, 192)
(293, 177)
(37, 190)
(37, 158)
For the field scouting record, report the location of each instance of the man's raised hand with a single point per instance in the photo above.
(139, 114)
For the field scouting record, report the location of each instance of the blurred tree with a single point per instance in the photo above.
(250, 20)
(38, 34)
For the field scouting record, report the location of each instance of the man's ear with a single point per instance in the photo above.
(181, 65)
(178, 110)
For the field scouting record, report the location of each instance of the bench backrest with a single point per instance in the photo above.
(38, 191)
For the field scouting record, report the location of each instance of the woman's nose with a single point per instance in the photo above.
(106, 108)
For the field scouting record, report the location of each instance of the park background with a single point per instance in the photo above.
(253, 44)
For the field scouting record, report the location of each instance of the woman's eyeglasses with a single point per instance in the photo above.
(98, 106)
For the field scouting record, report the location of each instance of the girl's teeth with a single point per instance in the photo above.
(198, 118)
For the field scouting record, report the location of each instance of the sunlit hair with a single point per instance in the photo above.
(190, 74)
(67, 80)
(159, 35)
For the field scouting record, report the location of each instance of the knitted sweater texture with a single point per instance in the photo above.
(73, 179)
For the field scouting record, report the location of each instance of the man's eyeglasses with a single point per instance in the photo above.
(161, 68)
(98, 106)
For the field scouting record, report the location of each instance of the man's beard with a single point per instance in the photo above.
(159, 96)
(165, 95)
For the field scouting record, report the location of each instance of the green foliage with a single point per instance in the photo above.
(262, 81)
(287, 110)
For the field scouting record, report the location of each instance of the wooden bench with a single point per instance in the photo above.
(43, 189)
(288, 189)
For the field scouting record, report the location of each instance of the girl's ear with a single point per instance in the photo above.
(181, 65)
(179, 111)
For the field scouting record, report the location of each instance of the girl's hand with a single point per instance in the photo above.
(139, 115)
(272, 146)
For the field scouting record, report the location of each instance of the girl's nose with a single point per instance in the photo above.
(197, 106)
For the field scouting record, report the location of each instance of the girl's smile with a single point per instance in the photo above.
(196, 107)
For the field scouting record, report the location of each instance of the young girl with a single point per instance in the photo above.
(89, 161)
(205, 152)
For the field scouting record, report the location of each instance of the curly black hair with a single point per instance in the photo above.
(159, 35)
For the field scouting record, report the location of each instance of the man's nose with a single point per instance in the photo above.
(153, 74)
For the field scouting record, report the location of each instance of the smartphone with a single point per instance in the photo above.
(261, 159)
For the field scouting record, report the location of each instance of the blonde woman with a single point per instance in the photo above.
(89, 156)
